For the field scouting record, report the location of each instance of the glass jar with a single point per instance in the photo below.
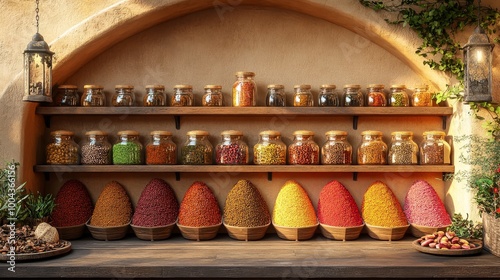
(93, 96)
(244, 90)
(231, 149)
(96, 149)
(336, 150)
(375, 96)
(403, 150)
(303, 149)
(328, 96)
(434, 149)
(270, 149)
(398, 96)
(62, 148)
(276, 96)
(183, 96)
(352, 96)
(155, 96)
(372, 149)
(213, 96)
(303, 96)
(421, 97)
(197, 149)
(161, 149)
(67, 95)
(128, 148)
(124, 96)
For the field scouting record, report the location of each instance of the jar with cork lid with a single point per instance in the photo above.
(375, 96)
(67, 95)
(128, 148)
(403, 150)
(96, 149)
(231, 149)
(372, 150)
(303, 149)
(303, 96)
(197, 149)
(421, 96)
(124, 96)
(213, 96)
(62, 148)
(353, 96)
(244, 90)
(270, 149)
(276, 96)
(328, 96)
(336, 149)
(434, 149)
(161, 149)
(155, 96)
(183, 96)
(93, 96)
(398, 97)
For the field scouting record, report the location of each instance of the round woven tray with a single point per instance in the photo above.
(247, 233)
(199, 233)
(341, 233)
(295, 233)
(153, 233)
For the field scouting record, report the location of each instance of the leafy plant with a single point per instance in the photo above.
(466, 228)
(7, 196)
(39, 206)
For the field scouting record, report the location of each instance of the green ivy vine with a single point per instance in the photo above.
(437, 23)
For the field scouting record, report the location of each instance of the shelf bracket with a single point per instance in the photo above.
(355, 122)
(177, 176)
(46, 119)
(177, 120)
(354, 176)
(269, 176)
(444, 118)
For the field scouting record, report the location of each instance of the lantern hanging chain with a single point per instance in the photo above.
(37, 17)
(478, 12)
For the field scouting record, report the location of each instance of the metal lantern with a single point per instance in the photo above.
(477, 74)
(37, 68)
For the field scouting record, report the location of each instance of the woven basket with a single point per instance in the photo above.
(419, 231)
(491, 234)
(246, 233)
(296, 233)
(153, 233)
(71, 232)
(199, 233)
(108, 233)
(386, 233)
(341, 233)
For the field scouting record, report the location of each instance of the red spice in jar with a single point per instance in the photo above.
(423, 206)
(199, 207)
(73, 205)
(336, 206)
(157, 205)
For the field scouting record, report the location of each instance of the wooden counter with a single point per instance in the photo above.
(270, 257)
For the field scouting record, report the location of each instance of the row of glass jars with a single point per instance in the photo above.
(232, 149)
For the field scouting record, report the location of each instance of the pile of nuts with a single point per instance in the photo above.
(26, 243)
(445, 240)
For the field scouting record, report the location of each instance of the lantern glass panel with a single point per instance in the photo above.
(38, 76)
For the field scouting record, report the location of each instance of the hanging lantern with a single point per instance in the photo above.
(477, 71)
(37, 68)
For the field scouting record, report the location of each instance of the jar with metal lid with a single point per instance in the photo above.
(62, 148)
(96, 149)
(93, 96)
(244, 90)
(197, 149)
(128, 148)
(421, 97)
(161, 149)
(336, 150)
(398, 97)
(213, 96)
(372, 149)
(375, 96)
(276, 96)
(231, 149)
(352, 96)
(124, 96)
(270, 149)
(303, 96)
(183, 96)
(67, 95)
(155, 96)
(403, 150)
(303, 149)
(328, 96)
(434, 149)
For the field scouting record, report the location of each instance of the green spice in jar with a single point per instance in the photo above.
(197, 149)
(128, 149)
(62, 149)
(270, 149)
(398, 96)
(303, 96)
(372, 149)
(402, 149)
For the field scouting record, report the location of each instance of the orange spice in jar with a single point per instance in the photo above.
(244, 90)
(161, 149)
(375, 96)
(421, 97)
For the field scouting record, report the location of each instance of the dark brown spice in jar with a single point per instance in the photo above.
(96, 149)
(434, 149)
(336, 150)
(245, 206)
(303, 150)
(213, 96)
(157, 205)
(73, 205)
(183, 96)
(113, 207)
(372, 150)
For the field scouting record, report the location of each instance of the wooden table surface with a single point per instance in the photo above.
(269, 257)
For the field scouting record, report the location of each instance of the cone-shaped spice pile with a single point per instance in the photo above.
(336, 206)
(293, 207)
(423, 206)
(113, 207)
(73, 205)
(199, 207)
(381, 208)
(157, 205)
(245, 206)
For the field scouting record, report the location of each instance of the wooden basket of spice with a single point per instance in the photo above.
(386, 233)
(419, 231)
(247, 233)
(108, 233)
(341, 233)
(199, 233)
(153, 233)
(296, 233)
(71, 232)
